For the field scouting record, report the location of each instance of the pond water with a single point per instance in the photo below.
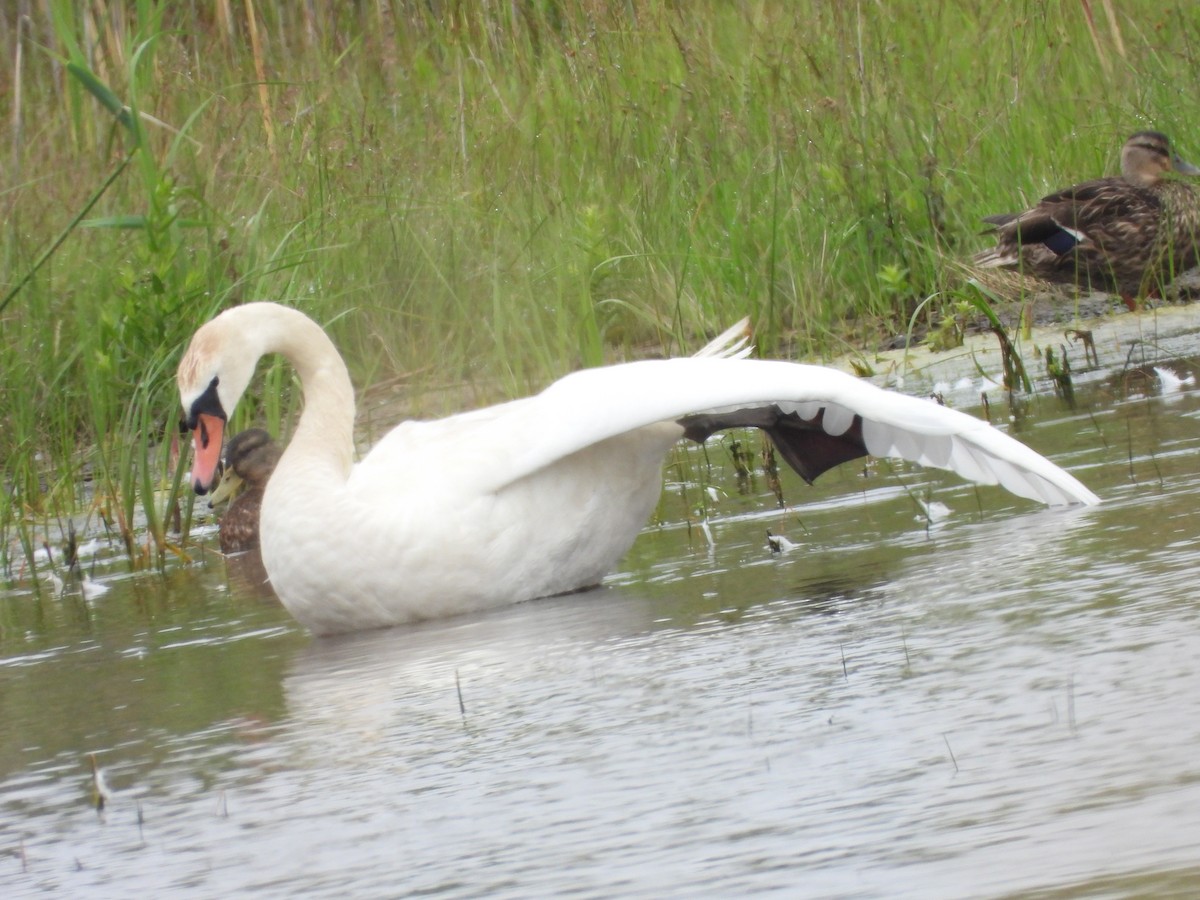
(1003, 700)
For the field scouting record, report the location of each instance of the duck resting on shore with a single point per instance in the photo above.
(1130, 234)
(538, 496)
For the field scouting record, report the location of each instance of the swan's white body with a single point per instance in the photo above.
(530, 498)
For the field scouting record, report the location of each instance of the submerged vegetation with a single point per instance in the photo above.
(491, 194)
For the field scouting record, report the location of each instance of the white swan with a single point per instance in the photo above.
(538, 496)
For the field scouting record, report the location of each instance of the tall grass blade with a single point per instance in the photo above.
(66, 232)
(107, 98)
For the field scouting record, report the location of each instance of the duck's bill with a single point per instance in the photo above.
(207, 437)
(1184, 167)
(227, 490)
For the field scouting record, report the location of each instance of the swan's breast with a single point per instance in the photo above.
(419, 538)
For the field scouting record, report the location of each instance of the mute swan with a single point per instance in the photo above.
(538, 496)
(250, 459)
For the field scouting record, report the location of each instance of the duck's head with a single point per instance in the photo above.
(252, 454)
(212, 377)
(1147, 157)
(250, 458)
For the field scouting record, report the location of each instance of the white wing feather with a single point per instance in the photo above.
(594, 404)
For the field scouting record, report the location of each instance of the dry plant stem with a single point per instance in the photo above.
(264, 97)
(19, 53)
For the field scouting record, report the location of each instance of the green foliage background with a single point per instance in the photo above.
(482, 196)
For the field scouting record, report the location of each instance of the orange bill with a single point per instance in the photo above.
(207, 437)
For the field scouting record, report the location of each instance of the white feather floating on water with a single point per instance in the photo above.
(935, 511)
(779, 544)
(1170, 382)
(92, 589)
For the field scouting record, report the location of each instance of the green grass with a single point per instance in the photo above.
(488, 199)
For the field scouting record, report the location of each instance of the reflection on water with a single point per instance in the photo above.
(1000, 701)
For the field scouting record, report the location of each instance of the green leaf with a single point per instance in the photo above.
(130, 221)
(104, 94)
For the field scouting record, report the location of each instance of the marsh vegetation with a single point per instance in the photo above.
(481, 197)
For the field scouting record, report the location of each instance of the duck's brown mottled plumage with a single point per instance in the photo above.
(1130, 234)
(251, 457)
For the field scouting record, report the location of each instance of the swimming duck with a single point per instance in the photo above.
(1129, 235)
(250, 459)
(538, 496)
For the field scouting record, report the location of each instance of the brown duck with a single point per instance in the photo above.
(250, 459)
(1129, 235)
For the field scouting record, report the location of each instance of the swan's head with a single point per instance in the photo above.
(212, 377)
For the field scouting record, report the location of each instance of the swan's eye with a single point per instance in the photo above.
(209, 403)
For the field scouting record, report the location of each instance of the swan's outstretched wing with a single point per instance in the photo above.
(817, 417)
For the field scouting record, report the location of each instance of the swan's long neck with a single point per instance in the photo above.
(325, 431)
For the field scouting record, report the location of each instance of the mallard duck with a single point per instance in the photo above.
(538, 496)
(250, 459)
(1129, 235)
